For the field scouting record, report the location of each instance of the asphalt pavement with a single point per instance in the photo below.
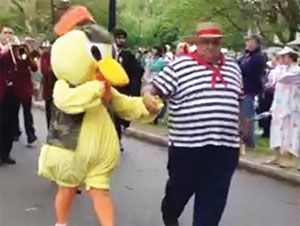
(137, 189)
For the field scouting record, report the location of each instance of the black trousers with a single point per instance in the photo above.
(120, 125)
(28, 120)
(205, 172)
(48, 108)
(8, 118)
(264, 104)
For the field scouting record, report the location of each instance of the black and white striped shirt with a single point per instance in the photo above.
(200, 115)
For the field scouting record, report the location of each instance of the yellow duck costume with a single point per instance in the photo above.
(76, 93)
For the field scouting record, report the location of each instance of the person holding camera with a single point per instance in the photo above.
(16, 65)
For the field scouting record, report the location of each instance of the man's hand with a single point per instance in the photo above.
(152, 103)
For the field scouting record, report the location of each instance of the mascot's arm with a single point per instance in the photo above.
(131, 108)
(79, 99)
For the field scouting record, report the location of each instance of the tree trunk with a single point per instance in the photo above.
(290, 12)
(293, 32)
(112, 15)
(294, 23)
(30, 11)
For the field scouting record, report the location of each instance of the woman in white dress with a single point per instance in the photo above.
(285, 125)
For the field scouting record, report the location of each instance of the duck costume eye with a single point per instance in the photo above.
(96, 53)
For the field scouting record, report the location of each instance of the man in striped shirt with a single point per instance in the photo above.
(204, 90)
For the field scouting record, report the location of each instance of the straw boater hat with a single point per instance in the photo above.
(205, 30)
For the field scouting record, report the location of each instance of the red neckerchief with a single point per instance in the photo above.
(216, 71)
(107, 93)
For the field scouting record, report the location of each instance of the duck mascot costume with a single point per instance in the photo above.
(82, 147)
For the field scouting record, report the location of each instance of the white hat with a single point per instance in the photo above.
(46, 44)
(287, 50)
(224, 50)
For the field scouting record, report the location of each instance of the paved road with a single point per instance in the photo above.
(137, 189)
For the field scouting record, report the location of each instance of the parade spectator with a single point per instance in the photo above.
(157, 63)
(134, 71)
(203, 89)
(168, 56)
(274, 69)
(252, 64)
(181, 49)
(147, 61)
(139, 55)
(148, 57)
(285, 125)
(142, 59)
(48, 79)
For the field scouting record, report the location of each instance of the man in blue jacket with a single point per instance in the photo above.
(252, 64)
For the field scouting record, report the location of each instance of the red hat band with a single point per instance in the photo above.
(207, 32)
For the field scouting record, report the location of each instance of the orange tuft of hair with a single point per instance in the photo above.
(70, 19)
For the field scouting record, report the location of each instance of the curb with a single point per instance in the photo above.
(149, 137)
(251, 166)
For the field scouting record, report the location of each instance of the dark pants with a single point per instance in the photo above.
(264, 104)
(48, 107)
(120, 124)
(28, 120)
(8, 118)
(205, 172)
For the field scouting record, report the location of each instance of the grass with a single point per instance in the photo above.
(262, 146)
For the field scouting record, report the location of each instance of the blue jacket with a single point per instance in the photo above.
(158, 64)
(253, 66)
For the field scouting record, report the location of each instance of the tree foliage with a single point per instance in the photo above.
(273, 17)
(238, 17)
(26, 16)
(151, 22)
